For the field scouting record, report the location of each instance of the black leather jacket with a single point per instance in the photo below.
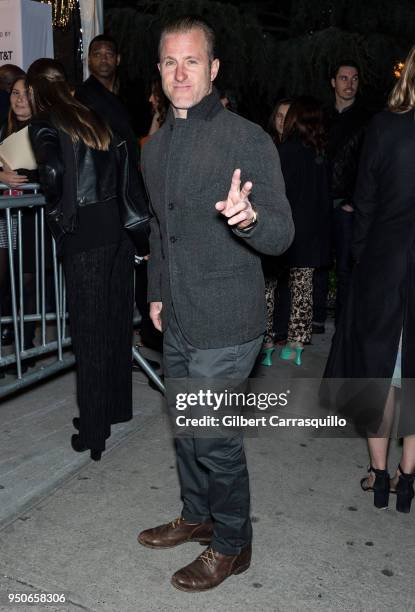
(73, 175)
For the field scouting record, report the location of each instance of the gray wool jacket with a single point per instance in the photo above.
(210, 274)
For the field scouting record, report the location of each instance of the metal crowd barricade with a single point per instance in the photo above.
(50, 300)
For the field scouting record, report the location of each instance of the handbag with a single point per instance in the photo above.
(134, 211)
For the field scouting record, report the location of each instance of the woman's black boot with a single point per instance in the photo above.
(81, 448)
(96, 454)
(77, 444)
(404, 491)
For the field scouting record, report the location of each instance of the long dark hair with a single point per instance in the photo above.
(49, 91)
(272, 130)
(305, 119)
(161, 100)
(9, 73)
(13, 123)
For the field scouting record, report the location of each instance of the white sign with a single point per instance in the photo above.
(92, 19)
(25, 32)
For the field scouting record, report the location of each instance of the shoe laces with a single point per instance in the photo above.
(176, 522)
(208, 557)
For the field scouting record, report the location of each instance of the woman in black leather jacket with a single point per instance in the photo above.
(79, 173)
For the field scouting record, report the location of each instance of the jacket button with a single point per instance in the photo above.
(171, 205)
(173, 239)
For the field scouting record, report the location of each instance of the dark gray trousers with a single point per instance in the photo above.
(212, 470)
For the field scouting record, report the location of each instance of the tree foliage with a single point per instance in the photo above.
(260, 63)
(241, 46)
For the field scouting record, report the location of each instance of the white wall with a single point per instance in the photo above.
(92, 19)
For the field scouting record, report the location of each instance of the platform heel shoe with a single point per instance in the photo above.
(292, 353)
(267, 356)
(404, 491)
(380, 488)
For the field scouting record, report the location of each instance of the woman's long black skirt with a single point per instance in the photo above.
(100, 286)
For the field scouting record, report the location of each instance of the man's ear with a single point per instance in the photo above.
(118, 59)
(333, 83)
(159, 67)
(214, 69)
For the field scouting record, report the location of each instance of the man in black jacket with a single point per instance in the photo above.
(100, 90)
(204, 169)
(347, 120)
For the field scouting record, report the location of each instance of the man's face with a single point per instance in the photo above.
(103, 60)
(346, 83)
(186, 72)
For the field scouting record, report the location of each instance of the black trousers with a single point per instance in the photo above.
(343, 235)
(320, 293)
(212, 470)
(100, 291)
(282, 305)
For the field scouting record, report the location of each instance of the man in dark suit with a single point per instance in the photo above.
(204, 169)
(346, 121)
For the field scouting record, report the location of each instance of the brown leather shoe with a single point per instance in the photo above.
(177, 532)
(210, 569)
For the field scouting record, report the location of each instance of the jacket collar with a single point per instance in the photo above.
(98, 86)
(206, 109)
(346, 110)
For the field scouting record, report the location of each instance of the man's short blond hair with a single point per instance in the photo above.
(186, 23)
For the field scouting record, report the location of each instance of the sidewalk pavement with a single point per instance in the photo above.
(69, 525)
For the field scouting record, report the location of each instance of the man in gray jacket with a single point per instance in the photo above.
(218, 198)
